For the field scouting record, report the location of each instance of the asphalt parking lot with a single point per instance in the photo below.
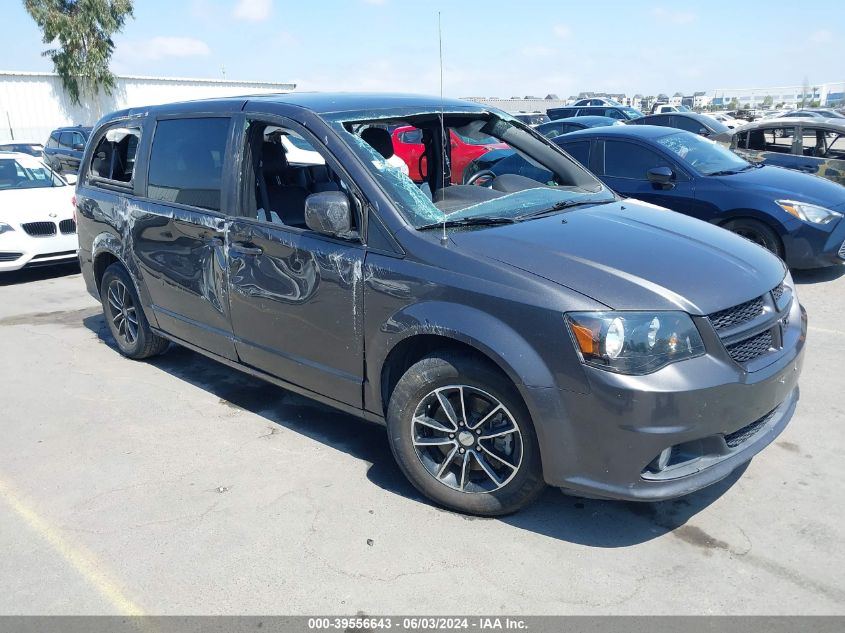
(179, 486)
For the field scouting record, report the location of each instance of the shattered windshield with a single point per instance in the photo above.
(500, 172)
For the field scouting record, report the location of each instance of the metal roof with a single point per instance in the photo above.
(202, 80)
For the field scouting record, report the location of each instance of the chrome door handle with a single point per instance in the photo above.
(243, 249)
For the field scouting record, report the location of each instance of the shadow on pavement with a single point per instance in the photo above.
(38, 274)
(605, 524)
(818, 275)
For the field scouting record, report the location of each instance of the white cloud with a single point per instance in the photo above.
(675, 17)
(562, 30)
(253, 10)
(822, 37)
(161, 47)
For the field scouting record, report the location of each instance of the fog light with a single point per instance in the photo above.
(660, 462)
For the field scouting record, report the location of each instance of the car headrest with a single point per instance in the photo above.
(379, 139)
(273, 157)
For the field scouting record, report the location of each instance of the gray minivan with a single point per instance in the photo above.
(524, 333)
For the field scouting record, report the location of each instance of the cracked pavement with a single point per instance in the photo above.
(180, 486)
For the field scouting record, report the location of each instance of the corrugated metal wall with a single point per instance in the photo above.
(33, 104)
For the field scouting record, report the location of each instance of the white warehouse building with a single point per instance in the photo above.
(33, 104)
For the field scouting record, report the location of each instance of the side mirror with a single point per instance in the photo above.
(704, 132)
(329, 213)
(70, 179)
(79, 147)
(662, 177)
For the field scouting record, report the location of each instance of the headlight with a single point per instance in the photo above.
(808, 212)
(634, 342)
(5, 228)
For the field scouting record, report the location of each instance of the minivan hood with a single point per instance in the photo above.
(631, 256)
(786, 184)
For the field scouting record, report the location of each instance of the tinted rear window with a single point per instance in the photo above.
(580, 151)
(186, 162)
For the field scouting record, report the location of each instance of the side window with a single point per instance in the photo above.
(628, 160)
(281, 169)
(742, 140)
(613, 113)
(66, 140)
(186, 161)
(580, 151)
(687, 123)
(822, 144)
(77, 139)
(777, 139)
(54, 140)
(114, 156)
(411, 137)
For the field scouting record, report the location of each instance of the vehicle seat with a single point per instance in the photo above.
(757, 140)
(320, 179)
(820, 150)
(379, 139)
(286, 190)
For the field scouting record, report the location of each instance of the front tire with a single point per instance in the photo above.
(463, 437)
(757, 232)
(125, 316)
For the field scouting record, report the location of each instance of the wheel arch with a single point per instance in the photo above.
(429, 326)
(763, 218)
(107, 249)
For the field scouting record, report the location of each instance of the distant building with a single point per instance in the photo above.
(32, 104)
(827, 94)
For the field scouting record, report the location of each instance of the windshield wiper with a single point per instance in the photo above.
(481, 220)
(731, 172)
(560, 206)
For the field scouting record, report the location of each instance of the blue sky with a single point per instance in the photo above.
(491, 48)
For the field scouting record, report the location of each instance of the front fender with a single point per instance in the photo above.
(482, 331)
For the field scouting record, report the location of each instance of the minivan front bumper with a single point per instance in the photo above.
(711, 413)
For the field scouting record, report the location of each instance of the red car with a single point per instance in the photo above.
(408, 145)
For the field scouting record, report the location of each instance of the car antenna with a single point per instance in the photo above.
(443, 238)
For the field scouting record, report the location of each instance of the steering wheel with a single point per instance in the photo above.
(484, 173)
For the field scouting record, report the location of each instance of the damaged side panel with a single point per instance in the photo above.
(180, 256)
(296, 307)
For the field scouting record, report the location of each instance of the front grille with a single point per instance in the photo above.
(842, 250)
(738, 437)
(40, 229)
(67, 227)
(751, 348)
(737, 315)
(9, 257)
(777, 293)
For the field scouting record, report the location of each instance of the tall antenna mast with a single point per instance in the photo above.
(443, 238)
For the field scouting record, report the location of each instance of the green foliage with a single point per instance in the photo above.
(83, 30)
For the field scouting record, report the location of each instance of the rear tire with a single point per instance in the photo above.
(756, 232)
(463, 437)
(125, 316)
